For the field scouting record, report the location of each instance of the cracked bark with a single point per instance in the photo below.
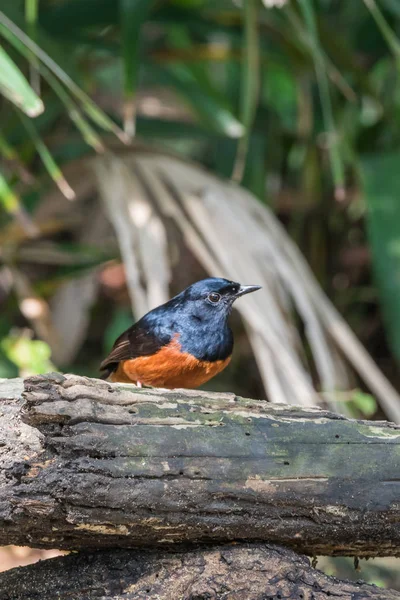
(231, 572)
(88, 464)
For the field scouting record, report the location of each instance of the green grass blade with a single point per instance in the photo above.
(338, 47)
(326, 104)
(88, 133)
(6, 150)
(381, 191)
(31, 16)
(52, 44)
(133, 13)
(25, 45)
(393, 6)
(31, 12)
(249, 89)
(387, 32)
(64, 18)
(9, 200)
(213, 110)
(9, 153)
(181, 66)
(48, 161)
(193, 81)
(15, 87)
(12, 205)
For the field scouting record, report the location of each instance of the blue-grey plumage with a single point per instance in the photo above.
(181, 343)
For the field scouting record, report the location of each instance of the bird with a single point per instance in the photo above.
(180, 344)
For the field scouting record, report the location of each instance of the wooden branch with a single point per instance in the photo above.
(88, 464)
(243, 572)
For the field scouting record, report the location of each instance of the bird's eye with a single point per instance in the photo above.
(214, 297)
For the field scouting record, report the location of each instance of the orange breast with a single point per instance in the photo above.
(168, 368)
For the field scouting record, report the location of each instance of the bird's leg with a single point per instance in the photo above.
(139, 384)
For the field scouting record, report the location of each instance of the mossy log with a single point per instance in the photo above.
(89, 464)
(230, 572)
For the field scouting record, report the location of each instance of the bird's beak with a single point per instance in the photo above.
(247, 289)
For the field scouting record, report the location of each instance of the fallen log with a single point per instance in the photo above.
(89, 464)
(242, 572)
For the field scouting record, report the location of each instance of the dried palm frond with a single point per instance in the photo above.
(235, 236)
(140, 232)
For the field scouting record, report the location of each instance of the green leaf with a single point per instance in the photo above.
(365, 403)
(133, 13)
(27, 47)
(382, 192)
(31, 12)
(15, 87)
(211, 108)
(121, 320)
(27, 37)
(280, 93)
(31, 15)
(392, 6)
(337, 169)
(387, 32)
(12, 205)
(48, 161)
(193, 82)
(157, 128)
(8, 199)
(6, 149)
(254, 176)
(31, 356)
(65, 17)
(88, 133)
(249, 89)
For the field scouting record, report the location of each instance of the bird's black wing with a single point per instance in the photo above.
(134, 342)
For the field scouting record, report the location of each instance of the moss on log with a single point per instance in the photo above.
(89, 464)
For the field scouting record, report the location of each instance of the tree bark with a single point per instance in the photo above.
(89, 464)
(243, 572)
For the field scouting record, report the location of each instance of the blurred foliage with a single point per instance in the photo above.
(301, 104)
(120, 321)
(383, 572)
(362, 406)
(382, 193)
(286, 97)
(31, 357)
(290, 100)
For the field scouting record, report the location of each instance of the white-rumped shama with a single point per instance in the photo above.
(182, 343)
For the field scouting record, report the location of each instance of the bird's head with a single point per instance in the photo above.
(208, 298)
